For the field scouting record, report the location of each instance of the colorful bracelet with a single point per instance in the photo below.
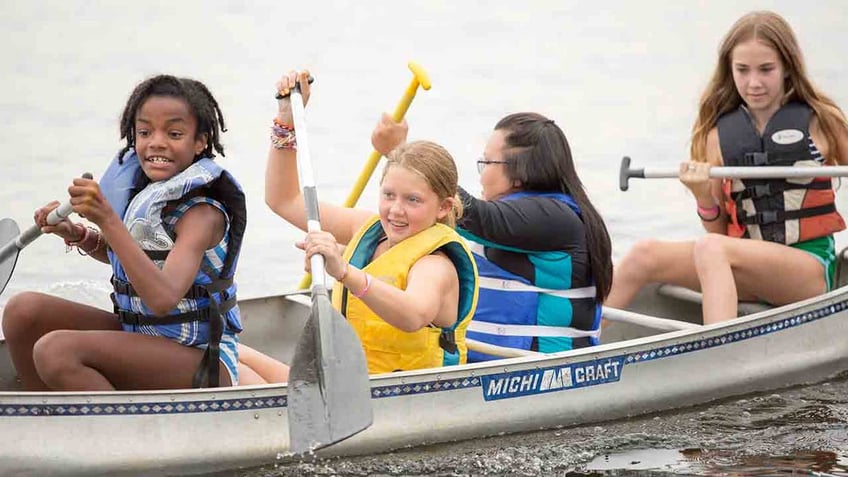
(713, 211)
(79, 243)
(75, 244)
(364, 290)
(283, 136)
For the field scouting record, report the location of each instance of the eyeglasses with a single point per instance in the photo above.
(481, 163)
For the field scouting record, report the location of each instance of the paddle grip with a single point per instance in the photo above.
(280, 96)
(56, 215)
(626, 173)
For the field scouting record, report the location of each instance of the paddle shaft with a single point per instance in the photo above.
(420, 78)
(307, 182)
(724, 172)
(29, 235)
(653, 322)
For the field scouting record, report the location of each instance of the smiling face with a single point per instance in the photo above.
(166, 137)
(408, 204)
(493, 177)
(758, 74)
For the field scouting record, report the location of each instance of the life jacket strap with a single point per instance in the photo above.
(772, 158)
(774, 216)
(773, 188)
(122, 287)
(490, 283)
(530, 330)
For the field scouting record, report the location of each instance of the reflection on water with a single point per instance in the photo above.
(797, 431)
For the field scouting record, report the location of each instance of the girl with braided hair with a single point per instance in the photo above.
(171, 223)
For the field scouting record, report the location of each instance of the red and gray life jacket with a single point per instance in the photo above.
(785, 211)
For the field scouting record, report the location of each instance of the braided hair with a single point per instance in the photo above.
(210, 120)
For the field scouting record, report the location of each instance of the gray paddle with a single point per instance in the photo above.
(755, 172)
(329, 395)
(15, 241)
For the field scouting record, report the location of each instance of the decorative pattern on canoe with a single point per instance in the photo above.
(439, 385)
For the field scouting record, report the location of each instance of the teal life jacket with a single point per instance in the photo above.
(512, 311)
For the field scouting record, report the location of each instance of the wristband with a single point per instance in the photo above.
(709, 214)
(364, 290)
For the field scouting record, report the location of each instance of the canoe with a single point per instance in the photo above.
(636, 371)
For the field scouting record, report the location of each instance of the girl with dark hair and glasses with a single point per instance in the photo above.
(541, 247)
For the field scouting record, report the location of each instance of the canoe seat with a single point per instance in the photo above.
(685, 294)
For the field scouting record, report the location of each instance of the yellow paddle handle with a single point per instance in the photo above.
(419, 78)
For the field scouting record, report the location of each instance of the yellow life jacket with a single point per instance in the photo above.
(388, 348)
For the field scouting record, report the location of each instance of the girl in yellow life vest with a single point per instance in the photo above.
(406, 281)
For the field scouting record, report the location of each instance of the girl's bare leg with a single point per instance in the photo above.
(732, 269)
(72, 360)
(266, 368)
(652, 261)
(29, 316)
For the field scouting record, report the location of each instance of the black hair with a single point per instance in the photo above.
(538, 156)
(210, 120)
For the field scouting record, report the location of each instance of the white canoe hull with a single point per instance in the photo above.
(200, 430)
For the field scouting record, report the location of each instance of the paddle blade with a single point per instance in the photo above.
(9, 231)
(329, 400)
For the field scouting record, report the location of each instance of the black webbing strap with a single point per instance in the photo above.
(775, 216)
(773, 188)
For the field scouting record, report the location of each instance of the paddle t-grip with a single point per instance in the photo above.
(626, 173)
(280, 96)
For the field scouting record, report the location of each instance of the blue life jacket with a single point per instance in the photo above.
(211, 303)
(512, 311)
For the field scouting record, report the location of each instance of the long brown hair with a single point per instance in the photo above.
(721, 96)
(538, 156)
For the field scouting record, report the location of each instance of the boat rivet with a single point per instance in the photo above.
(173, 398)
(279, 413)
(256, 416)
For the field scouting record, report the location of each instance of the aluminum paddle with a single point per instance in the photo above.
(329, 395)
(756, 172)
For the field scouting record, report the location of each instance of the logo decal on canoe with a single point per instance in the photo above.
(555, 378)
(787, 136)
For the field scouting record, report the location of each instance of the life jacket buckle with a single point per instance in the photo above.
(767, 217)
(761, 190)
(756, 158)
(447, 341)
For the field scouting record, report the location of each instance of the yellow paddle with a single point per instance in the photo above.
(419, 78)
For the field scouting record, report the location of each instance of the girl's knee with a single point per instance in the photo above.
(710, 247)
(53, 353)
(641, 260)
(19, 313)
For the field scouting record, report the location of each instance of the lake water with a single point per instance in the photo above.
(621, 78)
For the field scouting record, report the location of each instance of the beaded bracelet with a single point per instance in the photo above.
(78, 244)
(283, 136)
(364, 290)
